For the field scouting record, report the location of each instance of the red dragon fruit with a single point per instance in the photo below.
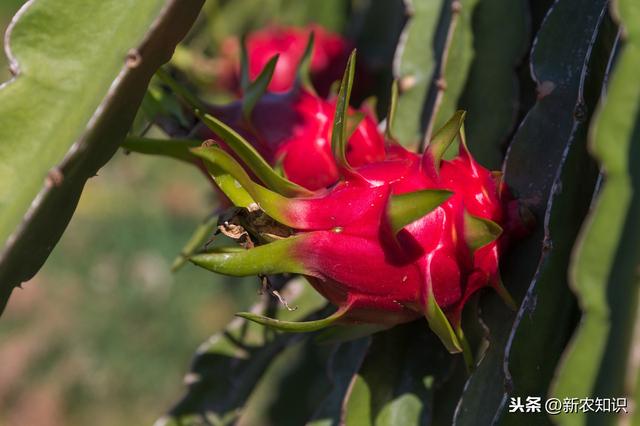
(407, 236)
(293, 129)
(327, 62)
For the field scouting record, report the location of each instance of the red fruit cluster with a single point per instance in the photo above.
(293, 130)
(385, 234)
(329, 58)
(290, 126)
(378, 273)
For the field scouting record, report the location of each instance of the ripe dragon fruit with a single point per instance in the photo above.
(399, 238)
(287, 129)
(327, 62)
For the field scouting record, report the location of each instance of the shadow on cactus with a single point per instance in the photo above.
(399, 238)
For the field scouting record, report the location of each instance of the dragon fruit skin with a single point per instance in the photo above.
(344, 243)
(383, 278)
(294, 129)
(329, 57)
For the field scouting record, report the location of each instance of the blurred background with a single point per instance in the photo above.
(105, 332)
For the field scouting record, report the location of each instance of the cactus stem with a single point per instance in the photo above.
(456, 7)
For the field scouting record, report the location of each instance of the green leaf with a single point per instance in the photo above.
(353, 121)
(268, 259)
(443, 139)
(228, 179)
(406, 208)
(479, 231)
(339, 134)
(179, 149)
(254, 91)
(600, 359)
(234, 181)
(303, 75)
(245, 81)
(237, 143)
(391, 113)
(251, 157)
(81, 72)
(294, 326)
(440, 325)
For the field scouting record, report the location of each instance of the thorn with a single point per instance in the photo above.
(441, 84)
(580, 112)
(544, 89)
(54, 177)
(406, 83)
(456, 6)
(192, 378)
(134, 58)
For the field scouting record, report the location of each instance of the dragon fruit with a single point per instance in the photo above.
(327, 62)
(395, 239)
(293, 129)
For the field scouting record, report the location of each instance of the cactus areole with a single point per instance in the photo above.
(396, 238)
